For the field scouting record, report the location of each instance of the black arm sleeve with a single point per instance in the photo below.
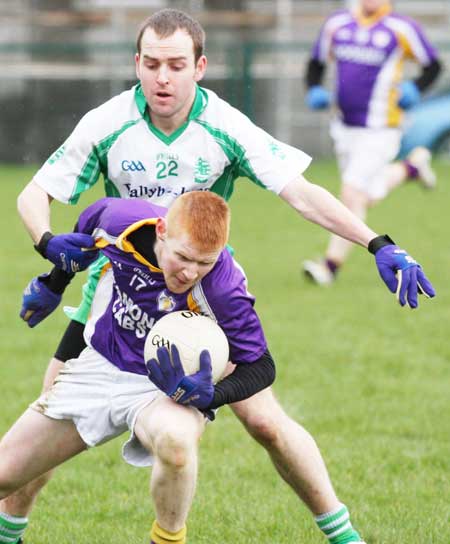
(57, 280)
(315, 71)
(429, 75)
(246, 380)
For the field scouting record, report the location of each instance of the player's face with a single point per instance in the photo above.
(182, 263)
(168, 73)
(369, 7)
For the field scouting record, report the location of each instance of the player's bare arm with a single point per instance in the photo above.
(399, 271)
(33, 205)
(318, 205)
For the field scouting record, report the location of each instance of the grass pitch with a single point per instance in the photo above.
(368, 379)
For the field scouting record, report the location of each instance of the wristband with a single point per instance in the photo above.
(41, 246)
(380, 241)
(57, 280)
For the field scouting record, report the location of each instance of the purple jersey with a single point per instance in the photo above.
(369, 55)
(133, 295)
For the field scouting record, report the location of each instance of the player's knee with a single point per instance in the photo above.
(263, 427)
(174, 447)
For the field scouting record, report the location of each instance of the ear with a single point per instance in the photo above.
(200, 68)
(161, 228)
(137, 67)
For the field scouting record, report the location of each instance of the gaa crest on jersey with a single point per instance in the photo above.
(165, 302)
(132, 166)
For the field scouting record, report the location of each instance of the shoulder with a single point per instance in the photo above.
(402, 23)
(225, 281)
(113, 115)
(337, 19)
(229, 127)
(220, 113)
(118, 213)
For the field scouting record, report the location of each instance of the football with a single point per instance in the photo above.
(191, 333)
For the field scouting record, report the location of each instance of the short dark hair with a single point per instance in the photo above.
(167, 21)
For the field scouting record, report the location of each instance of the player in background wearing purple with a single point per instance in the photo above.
(158, 264)
(164, 137)
(369, 45)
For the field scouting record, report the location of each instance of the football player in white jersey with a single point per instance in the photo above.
(138, 142)
(369, 44)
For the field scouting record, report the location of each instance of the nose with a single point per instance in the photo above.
(163, 77)
(190, 273)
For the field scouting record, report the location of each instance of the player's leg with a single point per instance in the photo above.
(171, 432)
(291, 448)
(415, 167)
(18, 505)
(34, 445)
(49, 442)
(297, 459)
(364, 156)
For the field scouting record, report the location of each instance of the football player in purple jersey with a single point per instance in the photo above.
(110, 388)
(368, 45)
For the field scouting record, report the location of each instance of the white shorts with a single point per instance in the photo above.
(102, 401)
(363, 155)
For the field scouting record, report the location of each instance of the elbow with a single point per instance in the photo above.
(22, 202)
(20, 199)
(31, 196)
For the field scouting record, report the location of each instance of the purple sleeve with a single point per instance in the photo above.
(233, 306)
(320, 49)
(114, 215)
(322, 46)
(90, 218)
(425, 53)
(413, 37)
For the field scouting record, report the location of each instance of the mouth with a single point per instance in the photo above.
(182, 283)
(163, 95)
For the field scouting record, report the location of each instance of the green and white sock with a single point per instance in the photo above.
(337, 527)
(11, 528)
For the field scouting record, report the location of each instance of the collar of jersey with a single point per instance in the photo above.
(372, 19)
(200, 102)
(125, 245)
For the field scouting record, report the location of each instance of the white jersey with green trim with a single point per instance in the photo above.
(210, 151)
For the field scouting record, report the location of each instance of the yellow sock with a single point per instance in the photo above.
(159, 535)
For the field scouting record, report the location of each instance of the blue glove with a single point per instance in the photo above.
(409, 95)
(38, 301)
(318, 98)
(71, 252)
(168, 374)
(402, 274)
